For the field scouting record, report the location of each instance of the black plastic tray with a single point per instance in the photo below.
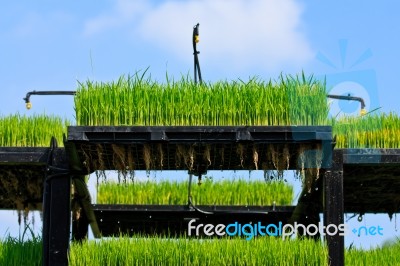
(228, 147)
(371, 180)
(174, 219)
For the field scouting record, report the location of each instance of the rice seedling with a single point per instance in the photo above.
(385, 255)
(134, 100)
(165, 251)
(31, 131)
(182, 251)
(370, 131)
(226, 192)
(21, 251)
(14, 252)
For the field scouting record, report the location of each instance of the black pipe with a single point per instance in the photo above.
(28, 95)
(348, 98)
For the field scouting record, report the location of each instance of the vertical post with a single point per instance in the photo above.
(334, 208)
(57, 215)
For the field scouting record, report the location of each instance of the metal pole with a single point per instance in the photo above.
(195, 40)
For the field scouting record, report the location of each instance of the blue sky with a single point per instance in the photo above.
(50, 45)
(47, 45)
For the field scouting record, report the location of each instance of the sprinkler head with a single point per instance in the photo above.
(28, 105)
(196, 33)
(363, 112)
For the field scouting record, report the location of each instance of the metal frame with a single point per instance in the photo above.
(61, 167)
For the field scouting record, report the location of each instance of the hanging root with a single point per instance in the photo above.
(267, 173)
(160, 154)
(147, 156)
(273, 156)
(240, 152)
(131, 164)
(130, 161)
(191, 156)
(255, 157)
(280, 158)
(286, 156)
(180, 155)
(222, 154)
(206, 155)
(309, 179)
(23, 214)
(119, 160)
(302, 157)
(100, 161)
(100, 175)
(86, 157)
(118, 156)
(187, 155)
(318, 160)
(311, 161)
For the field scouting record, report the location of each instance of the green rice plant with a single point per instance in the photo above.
(385, 255)
(181, 251)
(170, 251)
(13, 252)
(34, 131)
(226, 192)
(21, 251)
(166, 251)
(369, 131)
(135, 100)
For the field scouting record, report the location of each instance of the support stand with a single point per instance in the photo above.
(334, 208)
(56, 213)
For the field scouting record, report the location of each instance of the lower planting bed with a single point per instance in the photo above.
(174, 220)
(165, 251)
(207, 191)
(162, 207)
